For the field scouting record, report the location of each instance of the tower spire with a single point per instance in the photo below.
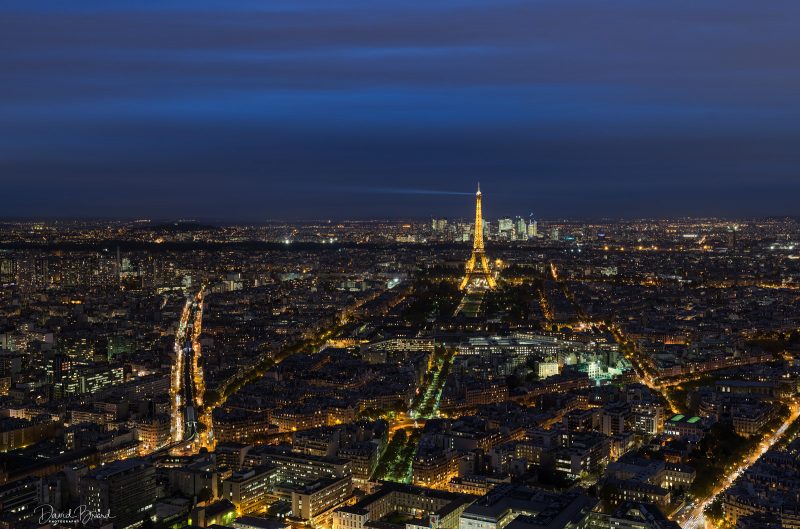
(477, 273)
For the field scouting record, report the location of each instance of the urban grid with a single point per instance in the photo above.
(382, 375)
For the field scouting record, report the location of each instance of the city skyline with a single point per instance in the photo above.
(641, 373)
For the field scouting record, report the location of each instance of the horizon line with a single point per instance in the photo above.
(144, 221)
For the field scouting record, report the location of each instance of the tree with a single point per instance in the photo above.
(398, 406)
(400, 438)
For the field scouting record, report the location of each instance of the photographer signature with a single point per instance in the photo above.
(79, 515)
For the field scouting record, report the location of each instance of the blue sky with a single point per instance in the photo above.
(316, 109)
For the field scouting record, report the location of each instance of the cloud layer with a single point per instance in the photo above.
(259, 110)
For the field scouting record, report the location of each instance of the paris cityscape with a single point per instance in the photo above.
(364, 264)
(379, 374)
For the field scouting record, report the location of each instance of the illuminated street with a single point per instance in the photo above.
(191, 426)
(695, 518)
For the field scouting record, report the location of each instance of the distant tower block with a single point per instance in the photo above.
(477, 274)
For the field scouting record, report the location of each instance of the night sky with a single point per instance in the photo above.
(308, 109)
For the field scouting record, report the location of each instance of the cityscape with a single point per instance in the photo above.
(341, 375)
(364, 264)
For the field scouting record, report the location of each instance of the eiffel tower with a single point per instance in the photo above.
(477, 274)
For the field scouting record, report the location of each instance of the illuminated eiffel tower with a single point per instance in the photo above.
(477, 275)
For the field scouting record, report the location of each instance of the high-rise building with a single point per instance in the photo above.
(520, 229)
(124, 489)
(8, 270)
(313, 499)
(20, 498)
(505, 228)
(249, 488)
(439, 225)
(74, 379)
(152, 433)
(533, 229)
